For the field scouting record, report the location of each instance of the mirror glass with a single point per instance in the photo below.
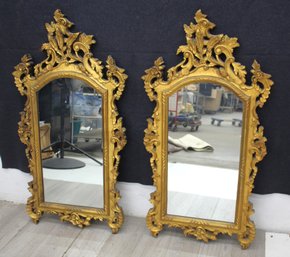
(71, 140)
(204, 138)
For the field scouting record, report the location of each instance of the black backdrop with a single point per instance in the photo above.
(135, 33)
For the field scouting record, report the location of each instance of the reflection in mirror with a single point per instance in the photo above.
(71, 138)
(204, 137)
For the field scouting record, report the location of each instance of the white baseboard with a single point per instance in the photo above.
(272, 212)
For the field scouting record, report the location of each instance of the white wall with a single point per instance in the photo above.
(272, 212)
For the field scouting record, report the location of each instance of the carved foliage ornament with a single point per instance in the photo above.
(68, 54)
(206, 58)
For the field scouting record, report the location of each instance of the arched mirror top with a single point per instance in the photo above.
(176, 86)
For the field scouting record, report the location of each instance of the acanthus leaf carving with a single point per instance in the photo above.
(21, 73)
(64, 46)
(200, 233)
(116, 76)
(261, 82)
(204, 50)
(76, 219)
(153, 77)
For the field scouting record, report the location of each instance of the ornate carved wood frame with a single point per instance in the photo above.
(69, 56)
(206, 58)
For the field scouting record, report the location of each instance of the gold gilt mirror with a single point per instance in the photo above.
(72, 129)
(205, 137)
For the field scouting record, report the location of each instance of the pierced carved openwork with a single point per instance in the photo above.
(70, 61)
(207, 59)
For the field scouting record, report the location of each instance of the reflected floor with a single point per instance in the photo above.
(92, 173)
(82, 187)
(225, 140)
(199, 206)
(207, 192)
(73, 193)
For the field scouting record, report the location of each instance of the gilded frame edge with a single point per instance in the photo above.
(69, 54)
(210, 58)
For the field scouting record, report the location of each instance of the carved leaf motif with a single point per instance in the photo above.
(189, 48)
(45, 46)
(59, 39)
(54, 46)
(230, 43)
(159, 63)
(152, 77)
(97, 66)
(21, 72)
(256, 66)
(111, 63)
(86, 39)
(213, 41)
(182, 49)
(200, 233)
(58, 15)
(240, 71)
(117, 76)
(71, 39)
(27, 59)
(261, 82)
(199, 42)
(50, 28)
(189, 30)
(199, 16)
(76, 219)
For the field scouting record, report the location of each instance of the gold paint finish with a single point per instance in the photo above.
(69, 56)
(206, 58)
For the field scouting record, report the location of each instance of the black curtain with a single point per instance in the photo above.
(135, 33)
